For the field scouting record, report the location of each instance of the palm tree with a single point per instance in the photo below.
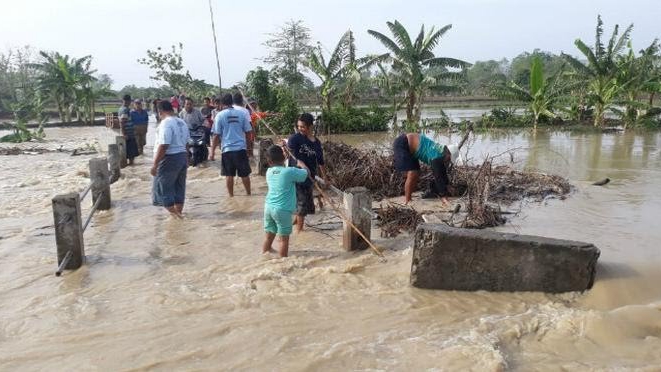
(420, 69)
(600, 74)
(390, 83)
(329, 72)
(542, 94)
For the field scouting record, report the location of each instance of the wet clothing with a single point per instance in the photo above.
(281, 182)
(277, 221)
(304, 199)
(233, 163)
(169, 186)
(307, 151)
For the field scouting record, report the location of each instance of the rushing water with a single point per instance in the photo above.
(163, 294)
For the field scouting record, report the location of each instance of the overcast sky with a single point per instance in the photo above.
(118, 32)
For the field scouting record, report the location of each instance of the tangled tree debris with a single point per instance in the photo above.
(482, 188)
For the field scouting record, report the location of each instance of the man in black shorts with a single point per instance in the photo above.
(230, 128)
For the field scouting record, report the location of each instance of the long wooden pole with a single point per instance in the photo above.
(215, 42)
(321, 191)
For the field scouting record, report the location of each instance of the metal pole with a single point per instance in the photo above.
(89, 218)
(215, 42)
(84, 193)
(64, 263)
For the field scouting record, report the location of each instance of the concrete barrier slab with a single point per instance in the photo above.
(468, 260)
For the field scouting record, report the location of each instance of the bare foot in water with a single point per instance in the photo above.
(271, 250)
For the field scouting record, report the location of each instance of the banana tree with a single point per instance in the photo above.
(414, 60)
(600, 73)
(541, 96)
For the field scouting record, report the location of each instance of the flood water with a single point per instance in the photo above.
(164, 294)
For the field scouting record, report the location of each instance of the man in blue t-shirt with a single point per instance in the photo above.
(140, 120)
(230, 128)
(280, 201)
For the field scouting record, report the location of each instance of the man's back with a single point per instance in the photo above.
(281, 190)
(231, 125)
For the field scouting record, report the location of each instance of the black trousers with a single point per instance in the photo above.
(441, 179)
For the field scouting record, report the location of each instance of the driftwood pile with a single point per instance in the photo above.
(482, 188)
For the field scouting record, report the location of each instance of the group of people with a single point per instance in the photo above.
(290, 183)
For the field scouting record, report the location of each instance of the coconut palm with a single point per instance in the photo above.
(600, 73)
(421, 71)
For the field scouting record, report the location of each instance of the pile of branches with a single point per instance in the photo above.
(373, 168)
(480, 212)
(397, 218)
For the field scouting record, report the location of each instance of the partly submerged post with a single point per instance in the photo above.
(100, 178)
(262, 164)
(68, 230)
(357, 203)
(113, 162)
(121, 143)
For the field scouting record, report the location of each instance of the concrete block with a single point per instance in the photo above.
(469, 260)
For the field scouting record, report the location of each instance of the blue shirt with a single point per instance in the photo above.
(231, 125)
(173, 132)
(282, 191)
(139, 117)
(428, 150)
(307, 151)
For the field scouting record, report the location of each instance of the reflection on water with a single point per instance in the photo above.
(197, 294)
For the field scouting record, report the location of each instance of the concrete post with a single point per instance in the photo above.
(68, 229)
(100, 178)
(262, 164)
(357, 204)
(113, 162)
(121, 143)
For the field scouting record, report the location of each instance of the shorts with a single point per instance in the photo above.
(169, 186)
(277, 221)
(404, 160)
(304, 199)
(235, 162)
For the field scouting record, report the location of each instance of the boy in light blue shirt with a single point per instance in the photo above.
(280, 201)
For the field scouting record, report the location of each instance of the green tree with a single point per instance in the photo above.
(61, 78)
(600, 73)
(420, 70)
(328, 72)
(288, 48)
(258, 84)
(483, 75)
(541, 95)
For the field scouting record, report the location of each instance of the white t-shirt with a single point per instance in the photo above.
(173, 132)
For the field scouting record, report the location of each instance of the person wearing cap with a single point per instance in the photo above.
(410, 149)
(140, 120)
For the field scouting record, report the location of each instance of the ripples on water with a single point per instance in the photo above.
(197, 294)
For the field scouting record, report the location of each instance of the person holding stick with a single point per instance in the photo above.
(411, 148)
(280, 201)
(306, 147)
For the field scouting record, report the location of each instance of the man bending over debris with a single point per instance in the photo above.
(411, 148)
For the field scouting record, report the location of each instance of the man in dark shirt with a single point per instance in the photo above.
(206, 111)
(305, 147)
(140, 120)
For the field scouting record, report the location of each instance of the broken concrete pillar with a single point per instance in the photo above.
(469, 260)
(68, 229)
(262, 164)
(121, 143)
(357, 206)
(113, 162)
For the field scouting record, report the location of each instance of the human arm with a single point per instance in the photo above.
(410, 184)
(160, 154)
(215, 142)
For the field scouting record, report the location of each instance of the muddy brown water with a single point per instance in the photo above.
(163, 294)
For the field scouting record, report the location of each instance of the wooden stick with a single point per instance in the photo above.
(323, 194)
